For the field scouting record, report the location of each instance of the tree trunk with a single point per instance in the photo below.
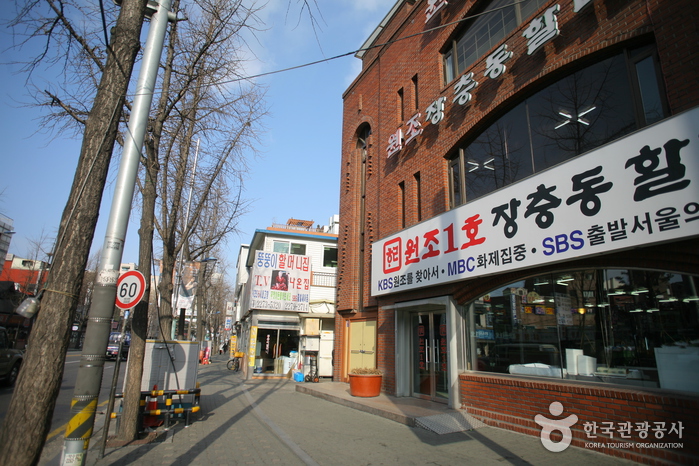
(128, 427)
(29, 415)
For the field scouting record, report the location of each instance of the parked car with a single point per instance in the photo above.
(10, 359)
(113, 345)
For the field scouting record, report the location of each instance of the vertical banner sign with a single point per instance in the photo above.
(280, 282)
(233, 346)
(252, 347)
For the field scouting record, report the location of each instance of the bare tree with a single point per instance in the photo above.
(212, 110)
(204, 98)
(39, 381)
(196, 101)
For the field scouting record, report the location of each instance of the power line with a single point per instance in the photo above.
(426, 31)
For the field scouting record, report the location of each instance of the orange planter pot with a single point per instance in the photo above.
(365, 385)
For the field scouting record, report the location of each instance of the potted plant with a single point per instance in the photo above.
(365, 381)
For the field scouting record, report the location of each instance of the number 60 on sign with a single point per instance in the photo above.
(130, 289)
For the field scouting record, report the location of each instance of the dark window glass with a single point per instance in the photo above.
(298, 249)
(650, 93)
(329, 257)
(418, 195)
(455, 174)
(499, 156)
(485, 31)
(582, 111)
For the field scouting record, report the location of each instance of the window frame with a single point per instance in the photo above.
(290, 247)
(632, 55)
(329, 261)
(450, 58)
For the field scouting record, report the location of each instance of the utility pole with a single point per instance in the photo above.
(87, 386)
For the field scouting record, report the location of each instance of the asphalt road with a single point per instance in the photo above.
(61, 413)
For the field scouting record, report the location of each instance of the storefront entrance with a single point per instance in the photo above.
(429, 348)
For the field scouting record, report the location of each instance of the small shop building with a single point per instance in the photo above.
(287, 301)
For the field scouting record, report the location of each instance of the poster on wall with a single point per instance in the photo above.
(280, 282)
(640, 190)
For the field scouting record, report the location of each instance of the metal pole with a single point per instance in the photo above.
(115, 380)
(87, 385)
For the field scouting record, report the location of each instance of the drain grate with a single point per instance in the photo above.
(449, 423)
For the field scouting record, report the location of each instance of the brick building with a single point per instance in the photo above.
(520, 215)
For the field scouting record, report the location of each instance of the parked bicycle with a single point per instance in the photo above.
(233, 363)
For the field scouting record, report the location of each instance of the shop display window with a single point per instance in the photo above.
(273, 345)
(632, 327)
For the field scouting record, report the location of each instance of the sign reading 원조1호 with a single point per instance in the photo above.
(280, 282)
(639, 190)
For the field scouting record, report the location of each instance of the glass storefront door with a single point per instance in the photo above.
(429, 367)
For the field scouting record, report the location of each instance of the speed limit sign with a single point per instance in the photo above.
(130, 289)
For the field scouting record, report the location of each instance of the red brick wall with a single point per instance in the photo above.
(512, 402)
(603, 27)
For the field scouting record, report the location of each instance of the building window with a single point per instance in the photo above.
(582, 111)
(298, 249)
(289, 248)
(647, 83)
(497, 19)
(281, 246)
(401, 188)
(626, 324)
(418, 196)
(401, 105)
(329, 256)
(416, 103)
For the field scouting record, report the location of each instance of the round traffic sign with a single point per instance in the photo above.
(130, 289)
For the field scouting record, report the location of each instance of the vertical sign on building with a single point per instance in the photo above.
(252, 347)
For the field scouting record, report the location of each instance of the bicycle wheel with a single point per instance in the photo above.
(231, 365)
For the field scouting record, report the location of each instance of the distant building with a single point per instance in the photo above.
(5, 235)
(29, 274)
(19, 278)
(285, 296)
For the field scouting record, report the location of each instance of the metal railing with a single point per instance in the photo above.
(324, 279)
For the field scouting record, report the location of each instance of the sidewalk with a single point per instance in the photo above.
(289, 423)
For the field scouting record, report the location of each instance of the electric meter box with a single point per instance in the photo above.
(310, 343)
(171, 365)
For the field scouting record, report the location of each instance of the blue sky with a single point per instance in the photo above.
(297, 174)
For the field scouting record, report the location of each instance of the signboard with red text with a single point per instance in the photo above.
(280, 282)
(639, 190)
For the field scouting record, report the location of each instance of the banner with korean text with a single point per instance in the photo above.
(639, 190)
(280, 282)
